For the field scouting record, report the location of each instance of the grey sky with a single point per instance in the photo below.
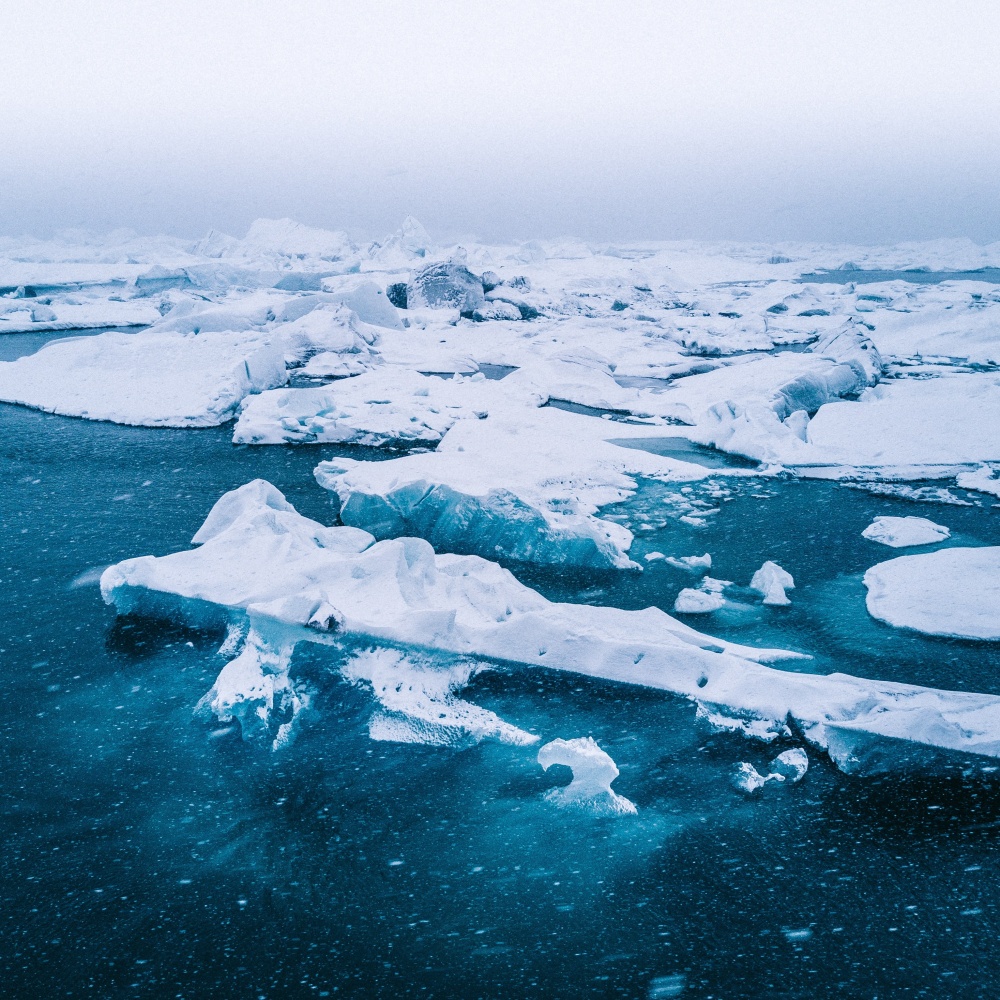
(766, 119)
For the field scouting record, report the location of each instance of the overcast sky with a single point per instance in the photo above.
(868, 121)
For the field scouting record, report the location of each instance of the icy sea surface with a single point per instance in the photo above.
(146, 854)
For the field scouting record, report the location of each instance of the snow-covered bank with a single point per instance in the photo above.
(294, 579)
(951, 592)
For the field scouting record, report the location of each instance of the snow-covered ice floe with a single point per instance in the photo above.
(393, 407)
(593, 772)
(985, 479)
(524, 484)
(950, 592)
(260, 565)
(149, 379)
(901, 532)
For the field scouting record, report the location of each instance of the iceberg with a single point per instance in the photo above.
(445, 285)
(698, 602)
(901, 532)
(593, 772)
(772, 581)
(789, 766)
(258, 562)
(147, 379)
(950, 592)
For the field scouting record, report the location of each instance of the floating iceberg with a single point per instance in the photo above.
(698, 602)
(789, 766)
(149, 379)
(292, 579)
(593, 773)
(772, 581)
(900, 532)
(445, 285)
(524, 484)
(947, 420)
(952, 592)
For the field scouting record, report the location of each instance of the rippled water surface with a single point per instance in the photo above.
(146, 854)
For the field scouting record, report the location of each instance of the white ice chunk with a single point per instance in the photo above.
(593, 773)
(445, 285)
(370, 304)
(900, 532)
(389, 407)
(948, 420)
(984, 480)
(524, 484)
(953, 592)
(772, 581)
(747, 779)
(698, 602)
(149, 379)
(791, 764)
(693, 563)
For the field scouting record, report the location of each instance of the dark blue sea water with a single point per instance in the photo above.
(146, 854)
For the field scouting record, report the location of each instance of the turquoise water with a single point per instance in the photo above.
(146, 854)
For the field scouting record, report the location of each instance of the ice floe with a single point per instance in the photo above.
(150, 379)
(388, 407)
(950, 592)
(258, 561)
(985, 479)
(900, 532)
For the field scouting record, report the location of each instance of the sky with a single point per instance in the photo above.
(868, 122)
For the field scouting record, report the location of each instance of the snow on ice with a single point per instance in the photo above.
(292, 579)
(901, 532)
(952, 592)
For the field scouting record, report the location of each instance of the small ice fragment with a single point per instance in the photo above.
(653, 556)
(693, 563)
(793, 934)
(698, 602)
(593, 773)
(791, 764)
(899, 532)
(772, 581)
(747, 779)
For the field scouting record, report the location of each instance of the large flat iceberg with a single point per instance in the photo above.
(149, 379)
(256, 559)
